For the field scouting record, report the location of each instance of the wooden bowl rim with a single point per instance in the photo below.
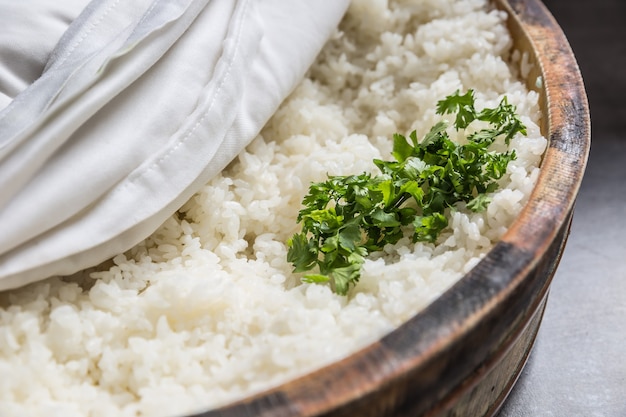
(420, 345)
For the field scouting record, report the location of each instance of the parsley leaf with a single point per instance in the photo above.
(345, 218)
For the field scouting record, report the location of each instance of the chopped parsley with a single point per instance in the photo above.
(348, 217)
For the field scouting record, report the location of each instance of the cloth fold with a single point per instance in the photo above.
(139, 105)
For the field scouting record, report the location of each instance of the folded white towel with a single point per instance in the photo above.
(140, 104)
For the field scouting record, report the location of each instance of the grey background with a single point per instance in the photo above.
(578, 365)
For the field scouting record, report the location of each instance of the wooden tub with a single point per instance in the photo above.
(462, 355)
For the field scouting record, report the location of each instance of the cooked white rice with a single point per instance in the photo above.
(206, 310)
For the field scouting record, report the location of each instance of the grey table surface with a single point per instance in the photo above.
(578, 364)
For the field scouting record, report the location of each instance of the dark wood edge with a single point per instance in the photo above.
(493, 298)
(535, 304)
(499, 401)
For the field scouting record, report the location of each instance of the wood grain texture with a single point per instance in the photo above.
(463, 353)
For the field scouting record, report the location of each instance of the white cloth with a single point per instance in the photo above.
(139, 104)
(29, 30)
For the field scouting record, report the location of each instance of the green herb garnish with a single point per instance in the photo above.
(348, 217)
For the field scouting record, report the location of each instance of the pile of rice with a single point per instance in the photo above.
(207, 310)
